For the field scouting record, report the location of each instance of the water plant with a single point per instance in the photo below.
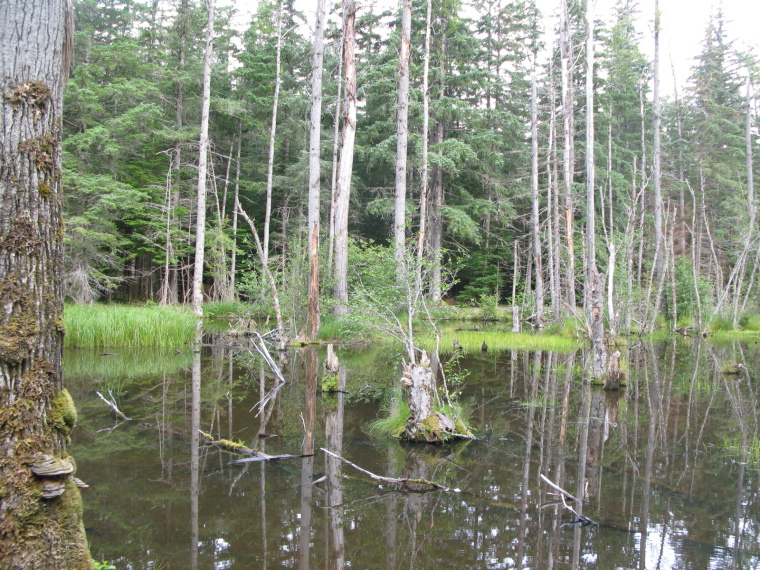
(748, 452)
(105, 326)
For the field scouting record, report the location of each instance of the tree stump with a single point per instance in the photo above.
(425, 424)
(614, 374)
(516, 319)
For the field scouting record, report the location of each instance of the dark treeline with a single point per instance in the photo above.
(508, 218)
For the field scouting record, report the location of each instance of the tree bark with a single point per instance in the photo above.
(36, 411)
(200, 219)
(314, 171)
(402, 135)
(343, 190)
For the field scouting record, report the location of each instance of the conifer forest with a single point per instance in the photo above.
(446, 140)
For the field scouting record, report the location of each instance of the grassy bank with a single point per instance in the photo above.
(107, 326)
(472, 341)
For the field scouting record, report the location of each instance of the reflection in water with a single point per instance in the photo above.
(307, 465)
(334, 435)
(653, 463)
(195, 425)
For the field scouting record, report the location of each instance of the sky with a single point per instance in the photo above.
(683, 27)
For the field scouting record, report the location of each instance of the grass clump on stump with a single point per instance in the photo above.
(416, 418)
(108, 326)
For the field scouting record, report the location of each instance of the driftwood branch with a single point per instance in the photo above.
(403, 481)
(251, 455)
(112, 404)
(584, 520)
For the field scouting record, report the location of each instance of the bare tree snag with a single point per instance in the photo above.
(343, 188)
(314, 171)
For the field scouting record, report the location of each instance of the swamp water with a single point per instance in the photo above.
(659, 463)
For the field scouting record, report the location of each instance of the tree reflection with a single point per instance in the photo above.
(334, 436)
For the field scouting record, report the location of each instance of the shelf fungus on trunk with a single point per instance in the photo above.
(53, 473)
(48, 466)
(425, 424)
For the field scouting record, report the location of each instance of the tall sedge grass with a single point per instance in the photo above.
(107, 326)
(472, 341)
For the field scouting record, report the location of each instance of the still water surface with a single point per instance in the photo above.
(657, 463)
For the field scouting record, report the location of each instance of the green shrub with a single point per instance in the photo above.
(489, 306)
(721, 324)
(750, 322)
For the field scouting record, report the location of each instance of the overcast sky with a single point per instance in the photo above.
(683, 27)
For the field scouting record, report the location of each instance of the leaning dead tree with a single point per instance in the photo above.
(425, 424)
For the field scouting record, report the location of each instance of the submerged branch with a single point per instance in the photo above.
(584, 520)
(403, 481)
(259, 456)
(112, 404)
(264, 352)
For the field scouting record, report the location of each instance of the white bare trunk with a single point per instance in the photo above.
(568, 155)
(314, 170)
(200, 220)
(272, 133)
(534, 209)
(659, 245)
(424, 160)
(343, 189)
(402, 135)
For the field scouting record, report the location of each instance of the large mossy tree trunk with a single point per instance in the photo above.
(36, 412)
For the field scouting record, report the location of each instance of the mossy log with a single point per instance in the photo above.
(227, 445)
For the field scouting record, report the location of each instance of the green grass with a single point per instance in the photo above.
(227, 309)
(394, 420)
(749, 453)
(472, 341)
(108, 326)
(750, 322)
